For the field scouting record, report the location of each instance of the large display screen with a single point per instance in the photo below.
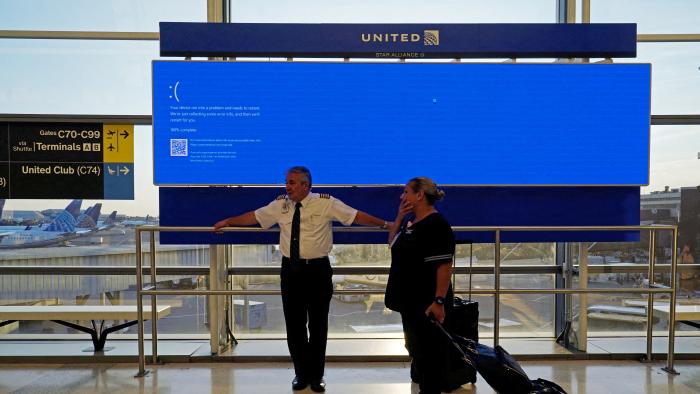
(351, 123)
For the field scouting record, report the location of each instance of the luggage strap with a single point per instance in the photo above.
(461, 351)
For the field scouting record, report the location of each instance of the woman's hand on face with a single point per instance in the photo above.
(404, 208)
(437, 310)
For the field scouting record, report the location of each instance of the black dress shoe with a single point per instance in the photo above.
(318, 386)
(299, 383)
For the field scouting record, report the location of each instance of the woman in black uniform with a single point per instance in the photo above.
(422, 249)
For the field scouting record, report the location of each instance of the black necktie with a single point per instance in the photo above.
(296, 229)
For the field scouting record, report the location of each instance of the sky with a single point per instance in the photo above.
(114, 77)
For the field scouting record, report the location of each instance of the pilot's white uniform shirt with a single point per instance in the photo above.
(316, 229)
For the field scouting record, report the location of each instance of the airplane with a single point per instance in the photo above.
(61, 229)
(88, 219)
(109, 223)
(136, 223)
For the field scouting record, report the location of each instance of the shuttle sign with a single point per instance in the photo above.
(66, 160)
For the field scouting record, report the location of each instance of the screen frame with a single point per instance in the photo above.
(398, 63)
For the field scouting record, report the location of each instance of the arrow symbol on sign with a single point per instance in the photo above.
(124, 170)
(124, 134)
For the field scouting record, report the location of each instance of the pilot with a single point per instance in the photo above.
(306, 238)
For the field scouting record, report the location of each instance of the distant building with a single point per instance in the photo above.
(51, 213)
(23, 216)
(661, 206)
(689, 227)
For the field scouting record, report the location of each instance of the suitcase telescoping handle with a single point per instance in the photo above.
(471, 250)
(454, 265)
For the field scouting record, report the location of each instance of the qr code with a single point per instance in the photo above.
(178, 147)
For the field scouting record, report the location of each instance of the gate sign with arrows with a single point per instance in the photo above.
(66, 160)
(118, 141)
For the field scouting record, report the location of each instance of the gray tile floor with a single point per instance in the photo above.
(271, 350)
(583, 376)
(355, 366)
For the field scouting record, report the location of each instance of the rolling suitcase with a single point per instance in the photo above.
(464, 321)
(499, 368)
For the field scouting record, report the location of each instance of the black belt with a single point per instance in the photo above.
(318, 260)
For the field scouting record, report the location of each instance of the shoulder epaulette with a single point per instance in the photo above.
(324, 195)
(281, 197)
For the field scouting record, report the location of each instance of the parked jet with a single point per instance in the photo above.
(88, 219)
(136, 223)
(61, 229)
(109, 222)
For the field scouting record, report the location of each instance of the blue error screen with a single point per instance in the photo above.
(245, 123)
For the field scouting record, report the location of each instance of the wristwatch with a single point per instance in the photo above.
(440, 300)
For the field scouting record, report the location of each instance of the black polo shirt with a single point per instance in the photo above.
(416, 253)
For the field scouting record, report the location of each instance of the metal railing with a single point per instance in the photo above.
(142, 291)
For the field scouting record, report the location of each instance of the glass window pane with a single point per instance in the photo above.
(529, 315)
(393, 11)
(674, 157)
(669, 16)
(87, 15)
(675, 76)
(76, 76)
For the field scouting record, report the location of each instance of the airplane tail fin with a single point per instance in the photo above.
(95, 213)
(88, 219)
(112, 217)
(74, 208)
(65, 221)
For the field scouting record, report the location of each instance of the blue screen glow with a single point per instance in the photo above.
(245, 123)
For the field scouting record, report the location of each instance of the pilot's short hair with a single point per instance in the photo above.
(301, 170)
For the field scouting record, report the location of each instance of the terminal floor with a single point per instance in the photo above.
(339, 350)
(575, 376)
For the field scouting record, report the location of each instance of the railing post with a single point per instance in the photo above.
(672, 308)
(497, 287)
(213, 301)
(650, 300)
(582, 341)
(154, 306)
(139, 305)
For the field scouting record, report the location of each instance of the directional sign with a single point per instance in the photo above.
(65, 160)
(119, 143)
(118, 140)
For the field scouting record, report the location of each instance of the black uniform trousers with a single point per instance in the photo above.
(306, 295)
(428, 349)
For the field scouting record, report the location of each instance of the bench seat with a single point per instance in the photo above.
(94, 313)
